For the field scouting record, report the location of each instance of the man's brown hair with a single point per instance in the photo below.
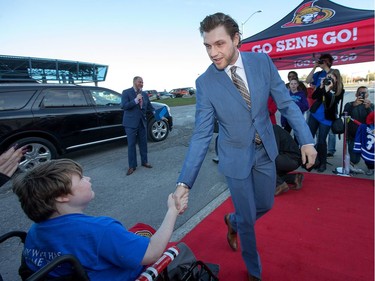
(219, 19)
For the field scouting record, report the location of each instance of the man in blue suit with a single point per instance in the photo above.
(246, 143)
(135, 104)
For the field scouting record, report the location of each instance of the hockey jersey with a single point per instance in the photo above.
(364, 142)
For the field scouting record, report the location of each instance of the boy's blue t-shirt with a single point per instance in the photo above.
(104, 247)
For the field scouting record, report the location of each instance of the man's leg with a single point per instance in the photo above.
(252, 197)
(284, 165)
(142, 135)
(131, 136)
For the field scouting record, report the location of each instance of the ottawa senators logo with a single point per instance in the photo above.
(308, 14)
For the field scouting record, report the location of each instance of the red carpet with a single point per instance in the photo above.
(325, 231)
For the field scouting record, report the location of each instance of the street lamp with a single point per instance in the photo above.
(243, 23)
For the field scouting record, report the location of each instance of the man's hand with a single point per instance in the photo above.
(9, 161)
(181, 197)
(308, 154)
(367, 103)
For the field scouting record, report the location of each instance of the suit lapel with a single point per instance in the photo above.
(134, 94)
(227, 83)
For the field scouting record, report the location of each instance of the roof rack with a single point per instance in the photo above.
(41, 70)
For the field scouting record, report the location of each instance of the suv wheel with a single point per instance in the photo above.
(39, 150)
(158, 130)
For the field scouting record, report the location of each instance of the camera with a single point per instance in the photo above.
(362, 95)
(320, 62)
(327, 81)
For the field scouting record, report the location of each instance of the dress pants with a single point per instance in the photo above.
(133, 136)
(284, 165)
(252, 197)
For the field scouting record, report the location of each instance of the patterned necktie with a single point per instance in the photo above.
(240, 84)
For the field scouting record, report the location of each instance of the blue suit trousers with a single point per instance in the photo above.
(135, 135)
(252, 198)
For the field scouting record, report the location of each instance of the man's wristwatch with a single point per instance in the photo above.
(182, 184)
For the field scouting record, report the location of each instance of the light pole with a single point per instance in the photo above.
(243, 23)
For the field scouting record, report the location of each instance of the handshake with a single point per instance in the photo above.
(178, 201)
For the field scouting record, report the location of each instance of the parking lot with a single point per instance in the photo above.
(140, 197)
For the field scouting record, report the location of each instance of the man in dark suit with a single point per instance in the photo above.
(246, 143)
(135, 104)
(288, 160)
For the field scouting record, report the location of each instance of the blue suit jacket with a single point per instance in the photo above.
(133, 114)
(218, 97)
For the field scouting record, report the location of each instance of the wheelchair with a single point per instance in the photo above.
(197, 271)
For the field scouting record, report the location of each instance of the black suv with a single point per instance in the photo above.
(53, 119)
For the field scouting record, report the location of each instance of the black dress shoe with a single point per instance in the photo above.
(130, 171)
(147, 165)
(231, 235)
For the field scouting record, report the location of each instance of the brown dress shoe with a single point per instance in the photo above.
(147, 165)
(231, 235)
(298, 181)
(253, 278)
(130, 171)
(281, 188)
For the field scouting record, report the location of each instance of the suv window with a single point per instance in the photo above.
(105, 98)
(12, 100)
(64, 98)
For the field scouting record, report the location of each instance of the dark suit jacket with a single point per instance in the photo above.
(286, 144)
(218, 97)
(133, 114)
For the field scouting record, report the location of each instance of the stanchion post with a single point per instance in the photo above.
(345, 153)
(345, 169)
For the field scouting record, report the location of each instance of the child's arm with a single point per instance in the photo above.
(159, 241)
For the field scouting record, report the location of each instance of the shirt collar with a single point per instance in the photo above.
(238, 63)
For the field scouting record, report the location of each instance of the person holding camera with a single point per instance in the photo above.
(323, 112)
(358, 110)
(325, 62)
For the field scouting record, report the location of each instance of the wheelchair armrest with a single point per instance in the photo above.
(20, 234)
(78, 270)
(153, 271)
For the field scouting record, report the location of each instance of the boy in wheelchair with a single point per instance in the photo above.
(54, 195)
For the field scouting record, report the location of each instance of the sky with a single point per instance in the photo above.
(156, 39)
